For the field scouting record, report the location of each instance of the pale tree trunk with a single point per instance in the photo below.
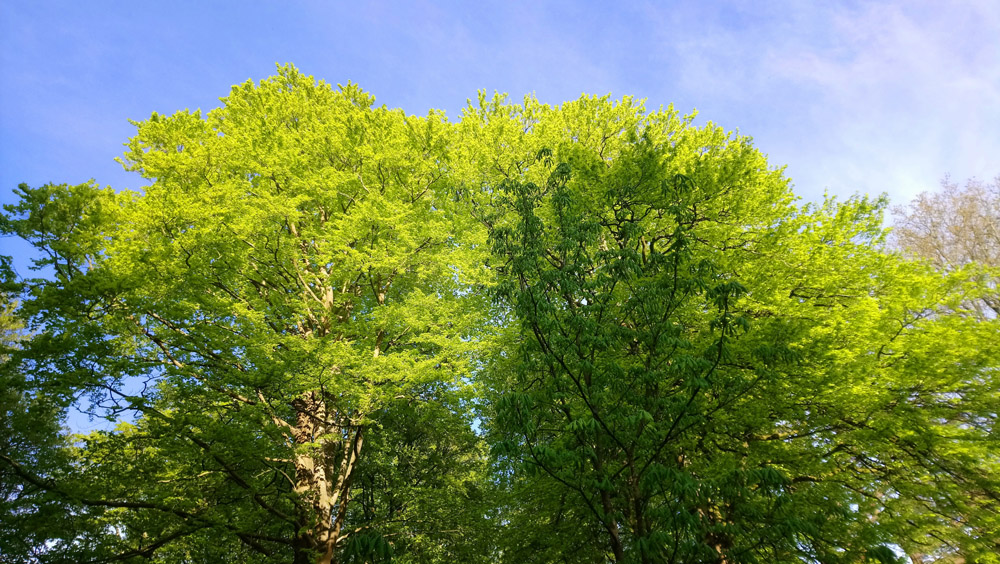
(322, 478)
(720, 542)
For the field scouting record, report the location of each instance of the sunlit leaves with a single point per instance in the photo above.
(704, 369)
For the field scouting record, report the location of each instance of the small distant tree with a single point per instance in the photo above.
(953, 228)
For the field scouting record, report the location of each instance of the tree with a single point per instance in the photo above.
(30, 438)
(17, 426)
(700, 371)
(956, 230)
(276, 307)
(953, 228)
(318, 314)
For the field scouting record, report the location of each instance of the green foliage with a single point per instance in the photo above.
(30, 438)
(289, 280)
(331, 332)
(710, 372)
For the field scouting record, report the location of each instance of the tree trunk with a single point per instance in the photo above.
(322, 478)
(638, 517)
(612, 526)
(609, 522)
(720, 542)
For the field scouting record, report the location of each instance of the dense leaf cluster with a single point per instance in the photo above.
(331, 332)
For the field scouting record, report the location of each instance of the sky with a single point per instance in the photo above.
(851, 97)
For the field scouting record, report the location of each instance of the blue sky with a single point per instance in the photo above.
(851, 96)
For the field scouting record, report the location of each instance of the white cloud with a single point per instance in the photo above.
(854, 97)
(904, 94)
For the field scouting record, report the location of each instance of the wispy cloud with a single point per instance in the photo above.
(900, 94)
(854, 97)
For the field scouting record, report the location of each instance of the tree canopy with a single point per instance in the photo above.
(958, 227)
(327, 331)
